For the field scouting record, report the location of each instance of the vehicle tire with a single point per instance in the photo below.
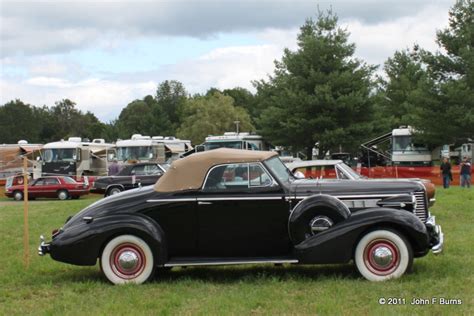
(382, 255)
(127, 259)
(63, 195)
(18, 195)
(113, 191)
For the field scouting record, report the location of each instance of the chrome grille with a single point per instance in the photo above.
(420, 210)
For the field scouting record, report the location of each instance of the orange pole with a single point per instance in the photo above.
(26, 237)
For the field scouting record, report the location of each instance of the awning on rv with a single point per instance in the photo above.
(174, 148)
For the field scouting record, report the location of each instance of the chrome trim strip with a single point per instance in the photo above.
(345, 196)
(236, 198)
(216, 263)
(171, 200)
(243, 198)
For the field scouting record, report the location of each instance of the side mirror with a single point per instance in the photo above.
(200, 148)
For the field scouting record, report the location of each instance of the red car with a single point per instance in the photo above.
(49, 187)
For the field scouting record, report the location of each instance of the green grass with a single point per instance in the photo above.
(50, 287)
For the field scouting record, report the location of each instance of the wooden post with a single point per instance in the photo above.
(26, 237)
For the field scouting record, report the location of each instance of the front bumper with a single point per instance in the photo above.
(44, 247)
(436, 235)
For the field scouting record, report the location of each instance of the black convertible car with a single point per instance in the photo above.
(230, 206)
(130, 177)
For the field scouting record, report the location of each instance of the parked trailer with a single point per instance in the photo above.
(11, 162)
(158, 149)
(75, 157)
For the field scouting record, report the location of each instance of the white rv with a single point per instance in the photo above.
(236, 140)
(75, 157)
(141, 148)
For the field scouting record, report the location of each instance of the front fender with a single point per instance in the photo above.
(82, 243)
(337, 244)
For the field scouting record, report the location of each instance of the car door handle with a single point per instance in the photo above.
(204, 203)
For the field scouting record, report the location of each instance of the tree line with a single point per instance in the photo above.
(319, 92)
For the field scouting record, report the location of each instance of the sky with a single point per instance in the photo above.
(105, 54)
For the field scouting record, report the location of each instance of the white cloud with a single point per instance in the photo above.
(49, 78)
(40, 27)
(105, 98)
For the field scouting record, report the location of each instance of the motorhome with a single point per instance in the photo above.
(402, 148)
(75, 157)
(11, 158)
(237, 141)
(159, 149)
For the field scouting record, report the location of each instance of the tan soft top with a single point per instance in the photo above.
(188, 173)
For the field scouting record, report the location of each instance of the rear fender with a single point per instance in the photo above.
(337, 244)
(82, 244)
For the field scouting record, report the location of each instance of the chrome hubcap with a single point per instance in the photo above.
(382, 256)
(128, 260)
(320, 223)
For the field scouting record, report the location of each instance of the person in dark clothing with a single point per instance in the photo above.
(114, 168)
(446, 173)
(465, 173)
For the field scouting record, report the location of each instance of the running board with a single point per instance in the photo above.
(179, 262)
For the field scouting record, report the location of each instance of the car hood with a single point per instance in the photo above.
(126, 202)
(354, 187)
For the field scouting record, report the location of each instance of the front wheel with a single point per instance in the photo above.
(383, 254)
(127, 259)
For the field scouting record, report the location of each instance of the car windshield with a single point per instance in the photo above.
(348, 170)
(69, 180)
(165, 166)
(279, 169)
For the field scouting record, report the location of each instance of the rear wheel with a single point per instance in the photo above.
(18, 195)
(383, 254)
(127, 259)
(113, 191)
(63, 195)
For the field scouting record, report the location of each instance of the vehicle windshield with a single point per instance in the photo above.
(69, 180)
(279, 169)
(134, 153)
(165, 166)
(215, 145)
(350, 171)
(404, 143)
(58, 155)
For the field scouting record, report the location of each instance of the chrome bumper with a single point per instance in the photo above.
(436, 235)
(43, 247)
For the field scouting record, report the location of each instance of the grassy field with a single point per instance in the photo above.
(50, 287)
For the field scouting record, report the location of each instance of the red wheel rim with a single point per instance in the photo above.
(381, 257)
(127, 261)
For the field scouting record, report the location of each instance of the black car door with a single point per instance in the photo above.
(242, 212)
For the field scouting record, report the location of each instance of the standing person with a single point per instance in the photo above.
(114, 168)
(465, 173)
(446, 172)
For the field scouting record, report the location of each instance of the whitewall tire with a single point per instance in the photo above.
(127, 259)
(382, 255)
